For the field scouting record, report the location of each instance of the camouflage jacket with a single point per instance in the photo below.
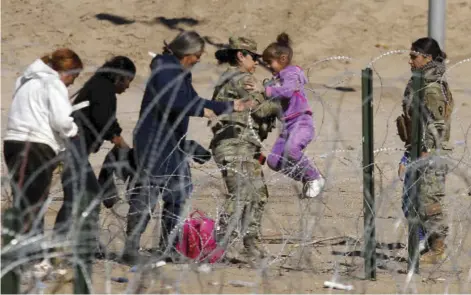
(438, 105)
(262, 118)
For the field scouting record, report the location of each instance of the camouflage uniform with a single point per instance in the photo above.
(438, 106)
(236, 149)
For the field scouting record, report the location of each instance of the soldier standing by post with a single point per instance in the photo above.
(236, 145)
(427, 57)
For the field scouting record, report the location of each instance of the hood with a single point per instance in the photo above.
(433, 72)
(164, 59)
(38, 69)
(295, 69)
(168, 63)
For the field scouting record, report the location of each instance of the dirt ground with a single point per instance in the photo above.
(355, 32)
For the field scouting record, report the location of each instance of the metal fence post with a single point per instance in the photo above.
(10, 227)
(368, 177)
(413, 186)
(437, 21)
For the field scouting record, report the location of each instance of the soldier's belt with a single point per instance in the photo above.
(258, 157)
(227, 132)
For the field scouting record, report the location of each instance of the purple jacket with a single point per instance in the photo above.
(290, 90)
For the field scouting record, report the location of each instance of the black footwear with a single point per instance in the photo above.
(251, 248)
(436, 254)
(109, 202)
(130, 254)
(173, 256)
(133, 259)
(100, 251)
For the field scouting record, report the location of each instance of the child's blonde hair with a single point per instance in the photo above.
(275, 50)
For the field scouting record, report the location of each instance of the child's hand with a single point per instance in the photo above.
(251, 86)
(268, 82)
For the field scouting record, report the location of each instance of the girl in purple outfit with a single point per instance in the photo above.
(298, 128)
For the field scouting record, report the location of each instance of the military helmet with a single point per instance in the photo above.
(242, 43)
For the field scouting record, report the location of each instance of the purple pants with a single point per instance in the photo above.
(287, 154)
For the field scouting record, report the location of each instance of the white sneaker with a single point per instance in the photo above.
(314, 187)
(422, 245)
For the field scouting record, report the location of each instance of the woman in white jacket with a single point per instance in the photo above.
(39, 122)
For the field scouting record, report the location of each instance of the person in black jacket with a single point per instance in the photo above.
(159, 137)
(96, 122)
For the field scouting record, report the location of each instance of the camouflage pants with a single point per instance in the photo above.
(247, 192)
(433, 172)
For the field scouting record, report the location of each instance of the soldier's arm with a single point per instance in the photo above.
(264, 108)
(267, 108)
(436, 110)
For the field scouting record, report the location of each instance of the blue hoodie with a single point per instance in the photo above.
(169, 102)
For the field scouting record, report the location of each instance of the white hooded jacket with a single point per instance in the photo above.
(41, 110)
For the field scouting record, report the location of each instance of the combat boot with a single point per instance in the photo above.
(221, 230)
(251, 250)
(436, 253)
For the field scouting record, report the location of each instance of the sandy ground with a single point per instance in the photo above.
(321, 29)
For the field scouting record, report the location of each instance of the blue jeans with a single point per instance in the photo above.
(406, 201)
(143, 198)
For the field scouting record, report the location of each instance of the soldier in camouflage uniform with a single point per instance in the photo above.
(236, 145)
(438, 105)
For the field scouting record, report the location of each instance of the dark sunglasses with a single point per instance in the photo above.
(254, 56)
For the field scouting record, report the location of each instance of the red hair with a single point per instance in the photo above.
(63, 60)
